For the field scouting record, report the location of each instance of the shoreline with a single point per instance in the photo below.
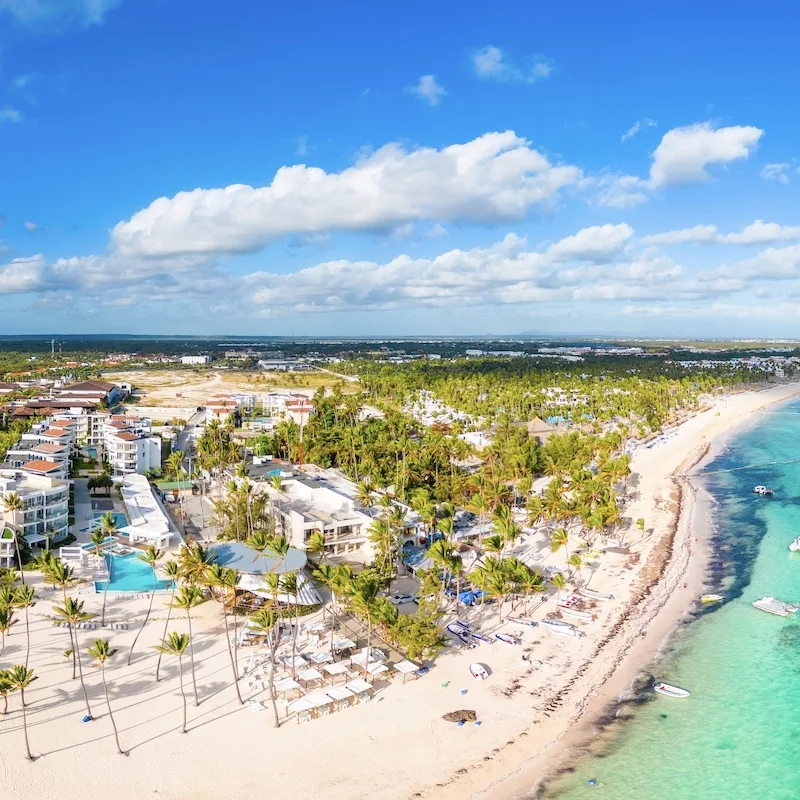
(664, 607)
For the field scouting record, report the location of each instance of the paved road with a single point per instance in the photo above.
(186, 436)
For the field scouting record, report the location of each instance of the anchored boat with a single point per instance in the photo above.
(795, 545)
(478, 671)
(708, 599)
(763, 491)
(575, 612)
(670, 691)
(773, 606)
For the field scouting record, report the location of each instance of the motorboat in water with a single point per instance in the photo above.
(795, 545)
(593, 595)
(507, 638)
(708, 599)
(478, 671)
(561, 628)
(763, 491)
(568, 611)
(773, 606)
(670, 691)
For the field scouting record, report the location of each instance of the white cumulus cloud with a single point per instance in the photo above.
(758, 232)
(637, 127)
(684, 153)
(428, 90)
(88, 12)
(493, 63)
(496, 177)
(776, 172)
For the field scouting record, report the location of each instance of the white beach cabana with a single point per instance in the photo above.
(335, 670)
(320, 657)
(344, 644)
(302, 707)
(407, 668)
(310, 675)
(298, 662)
(286, 685)
(342, 696)
(361, 688)
(321, 703)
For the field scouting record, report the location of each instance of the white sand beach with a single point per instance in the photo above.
(397, 745)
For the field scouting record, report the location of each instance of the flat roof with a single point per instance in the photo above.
(245, 559)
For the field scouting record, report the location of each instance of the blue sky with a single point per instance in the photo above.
(436, 169)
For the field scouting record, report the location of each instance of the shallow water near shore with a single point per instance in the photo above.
(738, 736)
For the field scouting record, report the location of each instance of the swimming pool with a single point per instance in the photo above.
(130, 574)
(119, 519)
(273, 472)
(92, 451)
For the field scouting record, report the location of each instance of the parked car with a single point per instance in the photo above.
(399, 599)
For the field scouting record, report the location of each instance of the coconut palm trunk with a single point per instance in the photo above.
(191, 660)
(83, 683)
(230, 651)
(110, 712)
(183, 692)
(25, 726)
(166, 626)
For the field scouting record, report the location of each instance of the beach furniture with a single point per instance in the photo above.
(309, 676)
(341, 695)
(361, 689)
(286, 685)
(336, 670)
(407, 669)
(302, 707)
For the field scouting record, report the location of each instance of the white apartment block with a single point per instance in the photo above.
(306, 505)
(288, 405)
(129, 447)
(46, 501)
(199, 360)
(7, 548)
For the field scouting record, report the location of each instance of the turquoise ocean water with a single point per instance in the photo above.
(738, 736)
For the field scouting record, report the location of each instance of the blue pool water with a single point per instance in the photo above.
(120, 519)
(92, 451)
(90, 546)
(130, 574)
(273, 472)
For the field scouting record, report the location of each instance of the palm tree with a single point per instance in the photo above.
(559, 539)
(20, 679)
(172, 571)
(151, 556)
(493, 543)
(187, 598)
(57, 573)
(6, 621)
(315, 544)
(364, 600)
(227, 579)
(175, 645)
(73, 614)
(364, 496)
(98, 537)
(291, 586)
(498, 586)
(6, 688)
(194, 561)
(265, 623)
(101, 652)
(441, 554)
(14, 504)
(576, 562)
(276, 483)
(558, 582)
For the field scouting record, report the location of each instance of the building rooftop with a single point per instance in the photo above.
(127, 436)
(55, 432)
(40, 465)
(241, 557)
(50, 447)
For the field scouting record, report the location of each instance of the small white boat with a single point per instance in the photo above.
(593, 595)
(795, 545)
(561, 628)
(507, 638)
(521, 621)
(479, 636)
(478, 671)
(670, 691)
(773, 606)
(708, 599)
(763, 491)
(568, 611)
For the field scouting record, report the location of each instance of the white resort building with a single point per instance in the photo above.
(45, 505)
(128, 446)
(306, 505)
(149, 522)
